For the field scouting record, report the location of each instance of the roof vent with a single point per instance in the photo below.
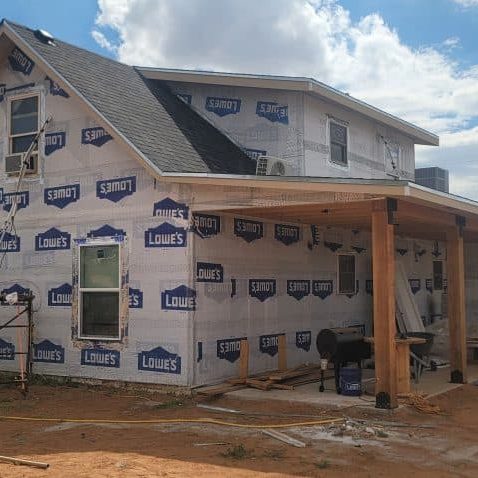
(44, 37)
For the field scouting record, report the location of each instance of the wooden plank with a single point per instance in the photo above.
(383, 264)
(456, 305)
(218, 390)
(260, 384)
(244, 359)
(403, 367)
(280, 376)
(284, 438)
(282, 352)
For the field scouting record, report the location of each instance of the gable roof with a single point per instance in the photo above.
(162, 129)
(308, 85)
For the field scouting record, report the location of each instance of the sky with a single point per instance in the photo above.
(416, 59)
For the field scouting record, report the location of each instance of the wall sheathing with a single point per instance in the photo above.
(82, 159)
(302, 136)
(195, 344)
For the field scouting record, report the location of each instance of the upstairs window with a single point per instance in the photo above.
(346, 273)
(99, 291)
(23, 126)
(338, 143)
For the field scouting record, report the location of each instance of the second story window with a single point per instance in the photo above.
(23, 126)
(338, 143)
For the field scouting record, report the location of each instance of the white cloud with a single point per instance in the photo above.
(467, 3)
(315, 38)
(101, 39)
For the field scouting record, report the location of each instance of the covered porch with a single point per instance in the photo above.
(424, 214)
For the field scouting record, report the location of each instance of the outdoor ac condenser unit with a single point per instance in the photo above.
(272, 166)
(13, 163)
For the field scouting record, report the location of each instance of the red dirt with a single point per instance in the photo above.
(447, 447)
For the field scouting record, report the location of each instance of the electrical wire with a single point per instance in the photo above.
(166, 421)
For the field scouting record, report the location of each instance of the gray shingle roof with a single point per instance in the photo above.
(167, 131)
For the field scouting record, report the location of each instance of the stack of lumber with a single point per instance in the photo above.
(281, 380)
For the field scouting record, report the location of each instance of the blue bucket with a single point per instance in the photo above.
(350, 381)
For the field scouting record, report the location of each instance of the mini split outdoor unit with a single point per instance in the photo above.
(272, 166)
(13, 163)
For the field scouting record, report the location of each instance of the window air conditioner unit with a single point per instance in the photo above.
(13, 163)
(272, 166)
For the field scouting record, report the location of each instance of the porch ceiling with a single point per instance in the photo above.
(412, 217)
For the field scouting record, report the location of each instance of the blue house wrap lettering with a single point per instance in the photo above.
(116, 189)
(54, 142)
(159, 360)
(298, 288)
(7, 350)
(248, 230)
(262, 289)
(180, 298)
(96, 136)
(229, 349)
(61, 196)
(22, 198)
(170, 209)
(303, 340)
(209, 272)
(165, 235)
(48, 352)
(223, 106)
(206, 225)
(52, 240)
(20, 62)
(100, 358)
(60, 296)
(10, 243)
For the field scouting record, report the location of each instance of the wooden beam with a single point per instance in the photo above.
(456, 305)
(244, 359)
(282, 350)
(383, 264)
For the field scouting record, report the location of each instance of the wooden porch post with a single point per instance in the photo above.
(456, 302)
(383, 263)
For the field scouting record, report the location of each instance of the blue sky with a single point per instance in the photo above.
(416, 59)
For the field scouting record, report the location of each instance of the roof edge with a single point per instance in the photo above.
(102, 120)
(308, 85)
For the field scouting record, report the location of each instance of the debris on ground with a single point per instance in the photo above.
(420, 403)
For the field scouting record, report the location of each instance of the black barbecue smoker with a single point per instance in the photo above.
(341, 346)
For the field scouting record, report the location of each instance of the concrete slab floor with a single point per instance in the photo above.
(431, 383)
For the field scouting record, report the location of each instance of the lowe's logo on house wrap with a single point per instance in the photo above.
(255, 154)
(298, 288)
(60, 296)
(415, 285)
(10, 243)
(269, 344)
(303, 340)
(170, 209)
(106, 231)
(96, 136)
(3, 89)
(248, 230)
(116, 189)
(206, 225)
(316, 235)
(48, 352)
(61, 196)
(165, 235)
(322, 288)
(100, 358)
(286, 234)
(181, 298)
(209, 272)
(262, 289)
(159, 360)
(7, 350)
(20, 62)
(54, 142)
(20, 290)
(273, 112)
(135, 298)
(22, 198)
(52, 240)
(223, 106)
(229, 349)
(56, 90)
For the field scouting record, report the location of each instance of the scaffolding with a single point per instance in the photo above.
(24, 309)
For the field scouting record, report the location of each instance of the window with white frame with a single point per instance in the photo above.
(99, 291)
(338, 143)
(23, 126)
(346, 274)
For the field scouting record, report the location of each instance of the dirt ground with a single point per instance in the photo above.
(371, 443)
